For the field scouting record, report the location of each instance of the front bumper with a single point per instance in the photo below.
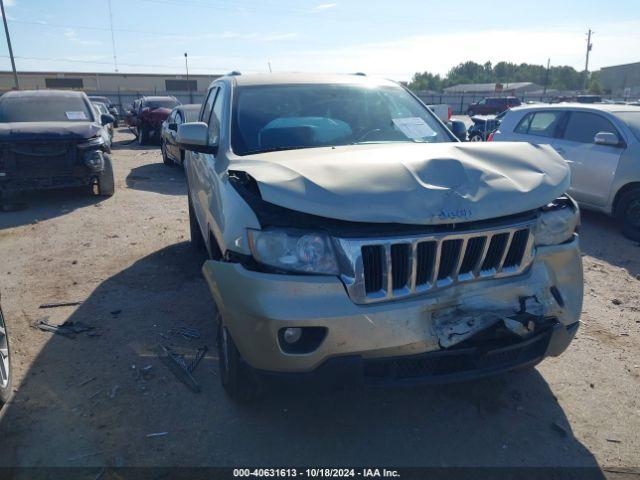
(256, 306)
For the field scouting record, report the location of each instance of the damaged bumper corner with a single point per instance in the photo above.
(536, 313)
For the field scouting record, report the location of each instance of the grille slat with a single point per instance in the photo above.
(426, 262)
(372, 258)
(516, 249)
(402, 267)
(449, 258)
(495, 252)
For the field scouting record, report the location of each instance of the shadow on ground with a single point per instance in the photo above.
(42, 205)
(84, 401)
(158, 178)
(601, 238)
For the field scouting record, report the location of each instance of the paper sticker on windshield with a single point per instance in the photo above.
(414, 127)
(76, 115)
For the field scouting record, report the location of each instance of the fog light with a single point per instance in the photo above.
(292, 335)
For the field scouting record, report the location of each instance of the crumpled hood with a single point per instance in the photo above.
(21, 131)
(410, 183)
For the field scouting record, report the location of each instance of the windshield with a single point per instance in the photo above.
(284, 117)
(168, 103)
(632, 119)
(102, 108)
(44, 109)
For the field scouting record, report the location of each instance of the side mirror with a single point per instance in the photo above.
(459, 129)
(173, 126)
(106, 119)
(194, 136)
(606, 138)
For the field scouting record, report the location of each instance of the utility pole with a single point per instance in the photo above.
(546, 78)
(113, 38)
(13, 62)
(586, 64)
(186, 66)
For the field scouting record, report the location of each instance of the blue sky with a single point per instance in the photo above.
(390, 38)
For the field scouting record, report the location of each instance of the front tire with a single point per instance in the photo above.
(165, 158)
(106, 182)
(476, 137)
(197, 242)
(5, 363)
(237, 378)
(143, 135)
(628, 214)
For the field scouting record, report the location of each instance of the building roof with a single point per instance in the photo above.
(487, 87)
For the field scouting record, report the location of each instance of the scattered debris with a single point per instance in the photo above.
(69, 329)
(616, 301)
(87, 381)
(84, 455)
(95, 395)
(592, 385)
(114, 391)
(180, 368)
(614, 440)
(59, 304)
(157, 434)
(146, 372)
(559, 429)
(186, 332)
(116, 312)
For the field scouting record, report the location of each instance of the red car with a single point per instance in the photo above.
(149, 115)
(492, 105)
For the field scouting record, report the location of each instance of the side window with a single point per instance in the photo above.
(523, 126)
(179, 119)
(216, 119)
(482, 102)
(582, 127)
(541, 124)
(208, 104)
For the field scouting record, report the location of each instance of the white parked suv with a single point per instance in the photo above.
(601, 144)
(352, 238)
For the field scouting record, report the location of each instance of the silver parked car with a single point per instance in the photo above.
(352, 237)
(171, 152)
(601, 144)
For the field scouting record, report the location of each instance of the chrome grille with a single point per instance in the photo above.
(390, 268)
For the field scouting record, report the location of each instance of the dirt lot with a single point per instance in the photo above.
(128, 260)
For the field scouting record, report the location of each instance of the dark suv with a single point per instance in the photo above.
(52, 139)
(149, 115)
(492, 105)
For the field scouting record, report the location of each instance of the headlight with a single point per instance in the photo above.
(557, 222)
(94, 160)
(295, 251)
(92, 143)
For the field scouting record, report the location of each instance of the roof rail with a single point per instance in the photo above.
(234, 73)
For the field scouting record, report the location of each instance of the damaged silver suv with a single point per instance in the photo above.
(353, 238)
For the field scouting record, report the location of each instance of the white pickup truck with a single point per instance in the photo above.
(353, 238)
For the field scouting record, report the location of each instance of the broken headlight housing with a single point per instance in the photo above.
(294, 251)
(94, 160)
(558, 221)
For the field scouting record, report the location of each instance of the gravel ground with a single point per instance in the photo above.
(88, 401)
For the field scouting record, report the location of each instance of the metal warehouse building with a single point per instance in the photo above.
(108, 82)
(622, 80)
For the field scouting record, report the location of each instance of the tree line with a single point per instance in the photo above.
(559, 78)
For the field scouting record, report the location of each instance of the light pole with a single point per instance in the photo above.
(13, 62)
(186, 66)
(586, 63)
